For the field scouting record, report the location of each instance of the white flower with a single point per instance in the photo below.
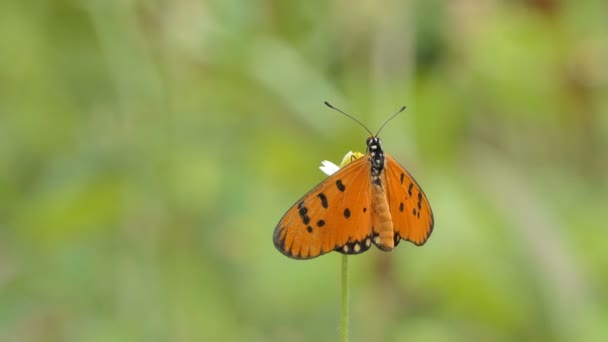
(330, 168)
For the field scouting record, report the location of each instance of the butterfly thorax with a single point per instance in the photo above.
(376, 156)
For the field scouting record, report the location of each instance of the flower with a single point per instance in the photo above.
(330, 168)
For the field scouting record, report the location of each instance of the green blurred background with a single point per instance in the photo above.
(148, 149)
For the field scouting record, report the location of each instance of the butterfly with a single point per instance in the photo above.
(372, 200)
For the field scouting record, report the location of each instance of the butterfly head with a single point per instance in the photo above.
(373, 143)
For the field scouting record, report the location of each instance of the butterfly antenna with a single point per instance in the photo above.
(389, 119)
(357, 121)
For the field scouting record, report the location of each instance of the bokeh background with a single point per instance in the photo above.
(148, 149)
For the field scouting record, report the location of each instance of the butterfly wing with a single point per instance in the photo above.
(410, 209)
(335, 215)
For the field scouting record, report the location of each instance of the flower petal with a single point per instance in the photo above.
(328, 167)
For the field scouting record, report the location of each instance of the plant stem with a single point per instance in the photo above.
(345, 299)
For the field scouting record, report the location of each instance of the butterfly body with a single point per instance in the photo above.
(382, 223)
(371, 200)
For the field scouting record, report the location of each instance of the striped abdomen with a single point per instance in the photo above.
(382, 222)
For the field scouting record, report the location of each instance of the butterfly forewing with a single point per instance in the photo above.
(335, 215)
(410, 210)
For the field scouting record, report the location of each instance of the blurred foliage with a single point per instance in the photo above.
(149, 148)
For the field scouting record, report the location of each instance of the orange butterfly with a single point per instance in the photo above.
(371, 200)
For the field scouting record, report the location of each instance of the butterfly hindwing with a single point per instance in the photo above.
(335, 215)
(410, 209)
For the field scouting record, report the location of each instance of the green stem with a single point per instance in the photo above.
(345, 299)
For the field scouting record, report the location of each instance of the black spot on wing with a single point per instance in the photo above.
(401, 207)
(309, 229)
(347, 213)
(397, 239)
(340, 185)
(409, 189)
(320, 223)
(323, 199)
(401, 177)
(303, 212)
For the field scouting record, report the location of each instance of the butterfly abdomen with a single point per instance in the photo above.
(382, 223)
